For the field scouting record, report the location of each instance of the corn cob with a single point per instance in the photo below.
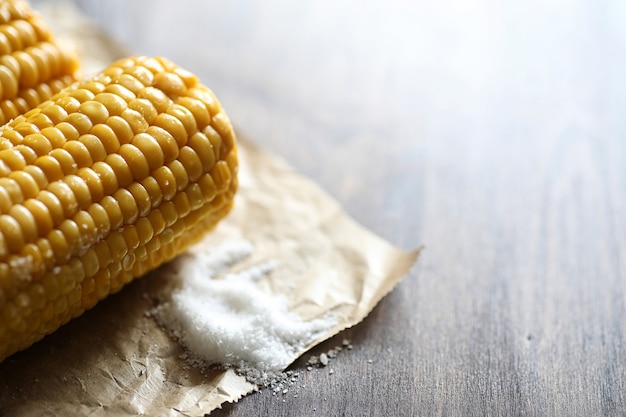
(107, 180)
(33, 65)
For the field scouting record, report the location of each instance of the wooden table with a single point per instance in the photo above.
(492, 132)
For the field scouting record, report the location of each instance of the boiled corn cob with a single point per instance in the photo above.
(107, 180)
(33, 64)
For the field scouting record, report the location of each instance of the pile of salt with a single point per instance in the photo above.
(230, 321)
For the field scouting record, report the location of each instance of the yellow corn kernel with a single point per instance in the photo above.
(98, 192)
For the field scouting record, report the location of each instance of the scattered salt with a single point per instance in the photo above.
(22, 266)
(230, 320)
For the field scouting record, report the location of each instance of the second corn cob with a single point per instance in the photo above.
(104, 182)
(33, 64)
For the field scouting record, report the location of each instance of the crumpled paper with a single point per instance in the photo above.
(115, 360)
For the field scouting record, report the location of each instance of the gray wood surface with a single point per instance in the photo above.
(492, 132)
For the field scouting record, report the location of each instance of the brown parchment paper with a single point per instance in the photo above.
(116, 361)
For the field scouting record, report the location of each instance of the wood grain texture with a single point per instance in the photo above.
(492, 132)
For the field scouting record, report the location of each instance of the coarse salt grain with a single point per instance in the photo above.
(324, 359)
(231, 321)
